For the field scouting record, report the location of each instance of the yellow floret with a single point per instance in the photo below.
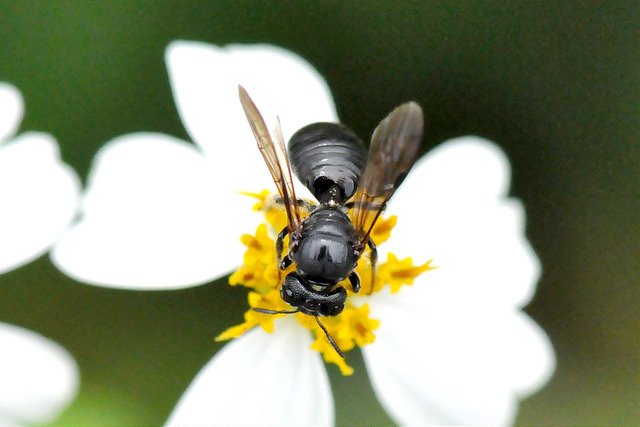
(397, 273)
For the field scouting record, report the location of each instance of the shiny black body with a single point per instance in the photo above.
(329, 159)
(324, 252)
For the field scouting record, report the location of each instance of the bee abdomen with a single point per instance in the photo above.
(323, 154)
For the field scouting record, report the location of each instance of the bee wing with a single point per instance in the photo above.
(275, 156)
(393, 150)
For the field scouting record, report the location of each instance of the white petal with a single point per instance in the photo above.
(11, 110)
(438, 363)
(205, 82)
(466, 168)
(260, 379)
(454, 349)
(466, 224)
(38, 195)
(179, 212)
(39, 378)
(157, 215)
(531, 349)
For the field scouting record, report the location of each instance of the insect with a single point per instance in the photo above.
(331, 161)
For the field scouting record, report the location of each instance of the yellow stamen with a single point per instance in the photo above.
(397, 273)
(382, 229)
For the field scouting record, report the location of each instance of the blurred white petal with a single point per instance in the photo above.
(205, 82)
(39, 378)
(531, 355)
(260, 379)
(465, 222)
(38, 195)
(11, 110)
(157, 215)
(451, 362)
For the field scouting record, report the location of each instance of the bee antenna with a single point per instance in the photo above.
(269, 311)
(324, 329)
(331, 341)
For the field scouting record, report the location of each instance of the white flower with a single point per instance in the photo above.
(160, 213)
(38, 196)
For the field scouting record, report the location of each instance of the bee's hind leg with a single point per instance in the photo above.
(304, 204)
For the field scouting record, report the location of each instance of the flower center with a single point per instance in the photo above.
(353, 326)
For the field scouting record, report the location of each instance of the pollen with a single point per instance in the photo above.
(354, 327)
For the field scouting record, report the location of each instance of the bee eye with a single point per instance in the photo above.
(292, 290)
(325, 308)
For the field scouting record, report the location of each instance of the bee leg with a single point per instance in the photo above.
(371, 207)
(282, 263)
(354, 279)
(280, 243)
(286, 262)
(373, 257)
(308, 206)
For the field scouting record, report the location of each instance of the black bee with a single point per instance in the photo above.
(333, 164)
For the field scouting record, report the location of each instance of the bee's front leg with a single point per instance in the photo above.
(373, 257)
(354, 279)
(281, 262)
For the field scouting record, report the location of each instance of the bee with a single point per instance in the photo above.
(332, 162)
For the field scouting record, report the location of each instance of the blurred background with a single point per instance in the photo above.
(556, 84)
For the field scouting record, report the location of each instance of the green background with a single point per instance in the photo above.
(556, 84)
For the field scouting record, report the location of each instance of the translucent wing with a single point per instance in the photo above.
(275, 156)
(393, 150)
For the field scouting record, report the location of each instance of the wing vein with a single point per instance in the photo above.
(275, 156)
